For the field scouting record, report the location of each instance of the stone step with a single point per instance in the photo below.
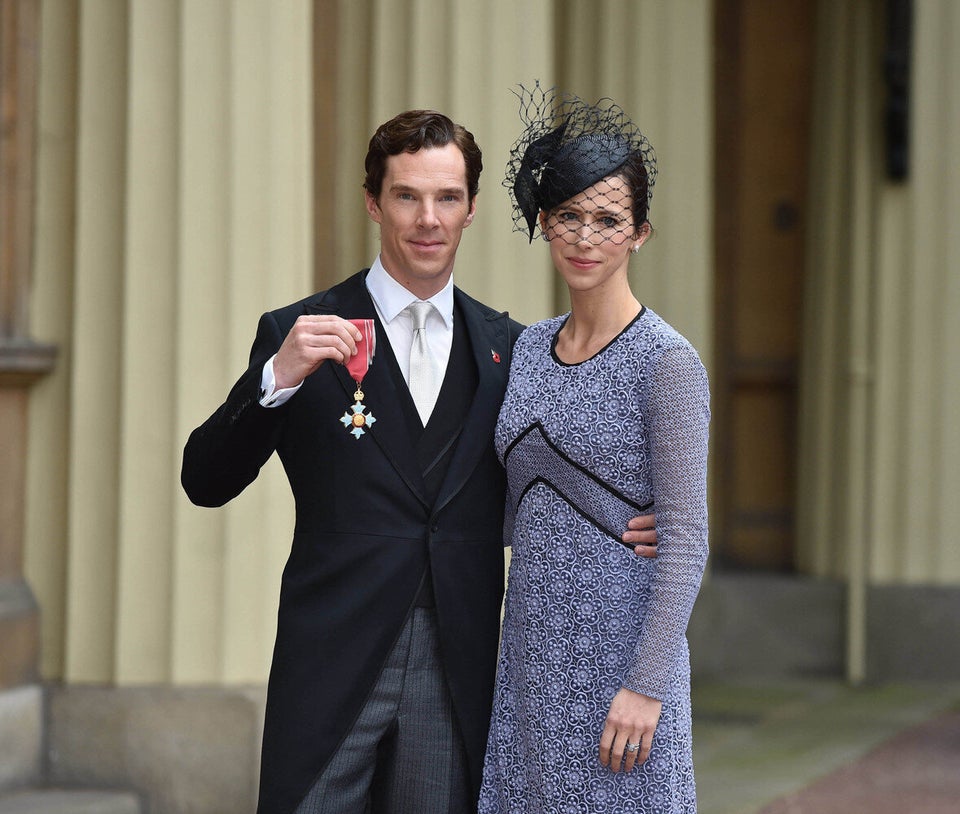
(68, 801)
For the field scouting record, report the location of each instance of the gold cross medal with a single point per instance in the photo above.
(355, 419)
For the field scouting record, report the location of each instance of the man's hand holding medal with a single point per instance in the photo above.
(312, 341)
(316, 338)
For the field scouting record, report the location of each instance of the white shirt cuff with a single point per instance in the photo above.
(269, 395)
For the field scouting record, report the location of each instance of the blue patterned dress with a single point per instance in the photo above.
(586, 447)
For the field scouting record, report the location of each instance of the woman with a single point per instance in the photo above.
(605, 417)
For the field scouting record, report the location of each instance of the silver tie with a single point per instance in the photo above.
(423, 372)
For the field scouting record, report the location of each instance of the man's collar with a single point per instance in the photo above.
(391, 298)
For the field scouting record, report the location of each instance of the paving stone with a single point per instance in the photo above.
(52, 801)
(758, 744)
(916, 771)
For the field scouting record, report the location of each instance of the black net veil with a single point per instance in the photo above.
(590, 156)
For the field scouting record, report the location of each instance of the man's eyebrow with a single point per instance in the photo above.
(459, 191)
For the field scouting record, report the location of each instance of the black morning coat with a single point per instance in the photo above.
(365, 534)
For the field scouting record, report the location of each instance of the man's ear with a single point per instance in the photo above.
(471, 213)
(373, 208)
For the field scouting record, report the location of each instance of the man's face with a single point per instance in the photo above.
(422, 211)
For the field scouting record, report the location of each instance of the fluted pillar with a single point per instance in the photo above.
(879, 445)
(23, 361)
(174, 185)
(878, 437)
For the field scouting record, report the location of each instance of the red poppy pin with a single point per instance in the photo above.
(495, 355)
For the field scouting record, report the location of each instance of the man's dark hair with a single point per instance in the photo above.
(416, 130)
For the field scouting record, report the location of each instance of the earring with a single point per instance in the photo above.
(635, 249)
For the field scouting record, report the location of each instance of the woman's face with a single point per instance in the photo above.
(591, 234)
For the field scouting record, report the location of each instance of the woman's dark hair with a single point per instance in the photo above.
(634, 172)
(416, 130)
(568, 145)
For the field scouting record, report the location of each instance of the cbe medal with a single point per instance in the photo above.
(355, 419)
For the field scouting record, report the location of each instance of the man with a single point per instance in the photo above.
(382, 677)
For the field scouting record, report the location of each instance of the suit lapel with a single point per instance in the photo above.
(351, 300)
(491, 349)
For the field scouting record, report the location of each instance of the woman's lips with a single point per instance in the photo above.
(582, 262)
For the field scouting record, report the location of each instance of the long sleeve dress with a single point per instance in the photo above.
(586, 447)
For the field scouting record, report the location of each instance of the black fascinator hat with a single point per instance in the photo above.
(568, 145)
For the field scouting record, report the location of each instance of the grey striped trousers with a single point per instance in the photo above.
(404, 754)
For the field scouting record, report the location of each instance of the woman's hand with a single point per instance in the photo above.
(632, 720)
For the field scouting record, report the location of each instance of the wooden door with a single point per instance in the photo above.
(764, 56)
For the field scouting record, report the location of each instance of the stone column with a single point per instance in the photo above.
(22, 362)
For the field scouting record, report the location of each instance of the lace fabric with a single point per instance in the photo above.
(584, 616)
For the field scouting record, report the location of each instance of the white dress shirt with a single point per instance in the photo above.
(389, 298)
